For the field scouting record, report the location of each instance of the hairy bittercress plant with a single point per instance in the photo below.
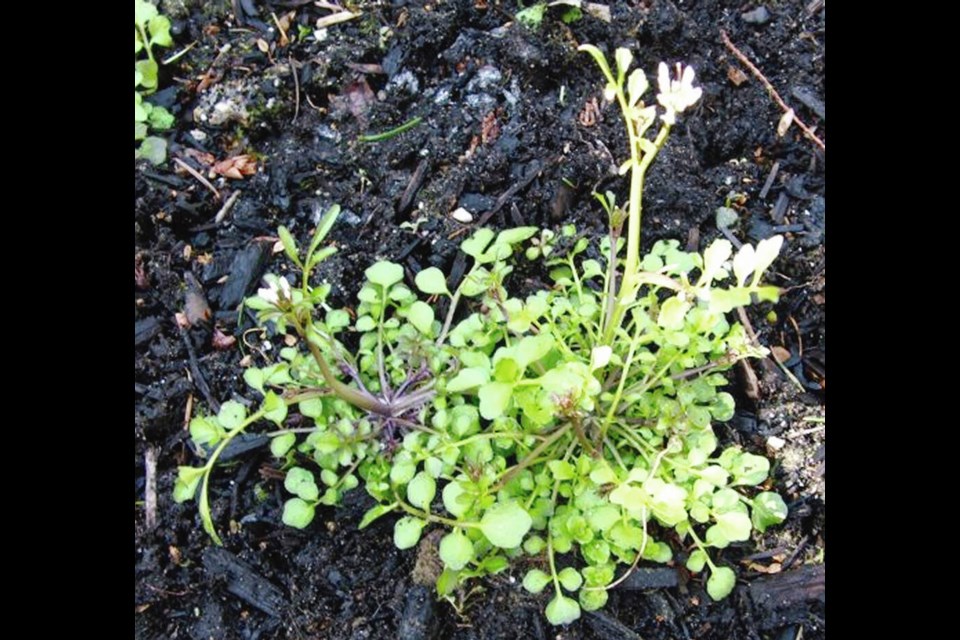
(150, 30)
(575, 423)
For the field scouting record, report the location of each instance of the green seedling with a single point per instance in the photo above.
(150, 30)
(576, 421)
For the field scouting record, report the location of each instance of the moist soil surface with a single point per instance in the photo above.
(512, 128)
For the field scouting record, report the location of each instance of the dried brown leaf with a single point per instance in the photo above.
(735, 75)
(236, 167)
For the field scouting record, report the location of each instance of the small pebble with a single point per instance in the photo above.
(760, 15)
(775, 443)
(462, 215)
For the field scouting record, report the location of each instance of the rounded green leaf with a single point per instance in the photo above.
(297, 513)
(337, 319)
(274, 408)
(725, 500)
(672, 313)
(311, 408)
(282, 443)
(143, 11)
(406, 533)
(456, 550)
(562, 610)
(420, 315)
(536, 580)
(403, 469)
(300, 482)
(696, 561)
(148, 73)
(505, 523)
(593, 599)
(421, 490)
(365, 323)
(570, 578)
(452, 501)
(748, 469)
(153, 149)
(534, 545)
(721, 582)
(159, 28)
(187, 480)
(384, 273)
(494, 398)
(469, 378)
(768, 509)
(715, 537)
(232, 414)
(205, 430)
(494, 564)
(432, 281)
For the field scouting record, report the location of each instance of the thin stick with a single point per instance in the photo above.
(196, 174)
(150, 492)
(807, 131)
(799, 337)
(188, 412)
(283, 32)
(227, 206)
(296, 90)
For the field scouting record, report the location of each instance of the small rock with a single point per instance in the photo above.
(726, 217)
(760, 15)
(477, 202)
(486, 77)
(405, 82)
(775, 443)
(462, 215)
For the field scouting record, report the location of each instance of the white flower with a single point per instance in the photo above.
(676, 95)
(277, 289)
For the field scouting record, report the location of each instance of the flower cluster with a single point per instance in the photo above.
(277, 290)
(676, 95)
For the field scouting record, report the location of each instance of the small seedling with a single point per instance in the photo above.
(573, 423)
(150, 30)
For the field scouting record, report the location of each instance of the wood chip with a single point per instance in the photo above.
(735, 75)
(336, 18)
(597, 10)
(781, 354)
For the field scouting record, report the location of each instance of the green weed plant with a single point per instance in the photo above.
(571, 427)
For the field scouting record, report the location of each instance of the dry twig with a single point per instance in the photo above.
(150, 491)
(807, 131)
(196, 174)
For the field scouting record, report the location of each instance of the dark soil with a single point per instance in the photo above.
(497, 139)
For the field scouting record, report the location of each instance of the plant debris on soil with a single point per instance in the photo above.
(277, 119)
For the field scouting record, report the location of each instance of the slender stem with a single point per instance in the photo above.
(623, 380)
(146, 42)
(204, 503)
(377, 137)
(638, 169)
(702, 547)
(531, 457)
(553, 565)
(426, 515)
(446, 321)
